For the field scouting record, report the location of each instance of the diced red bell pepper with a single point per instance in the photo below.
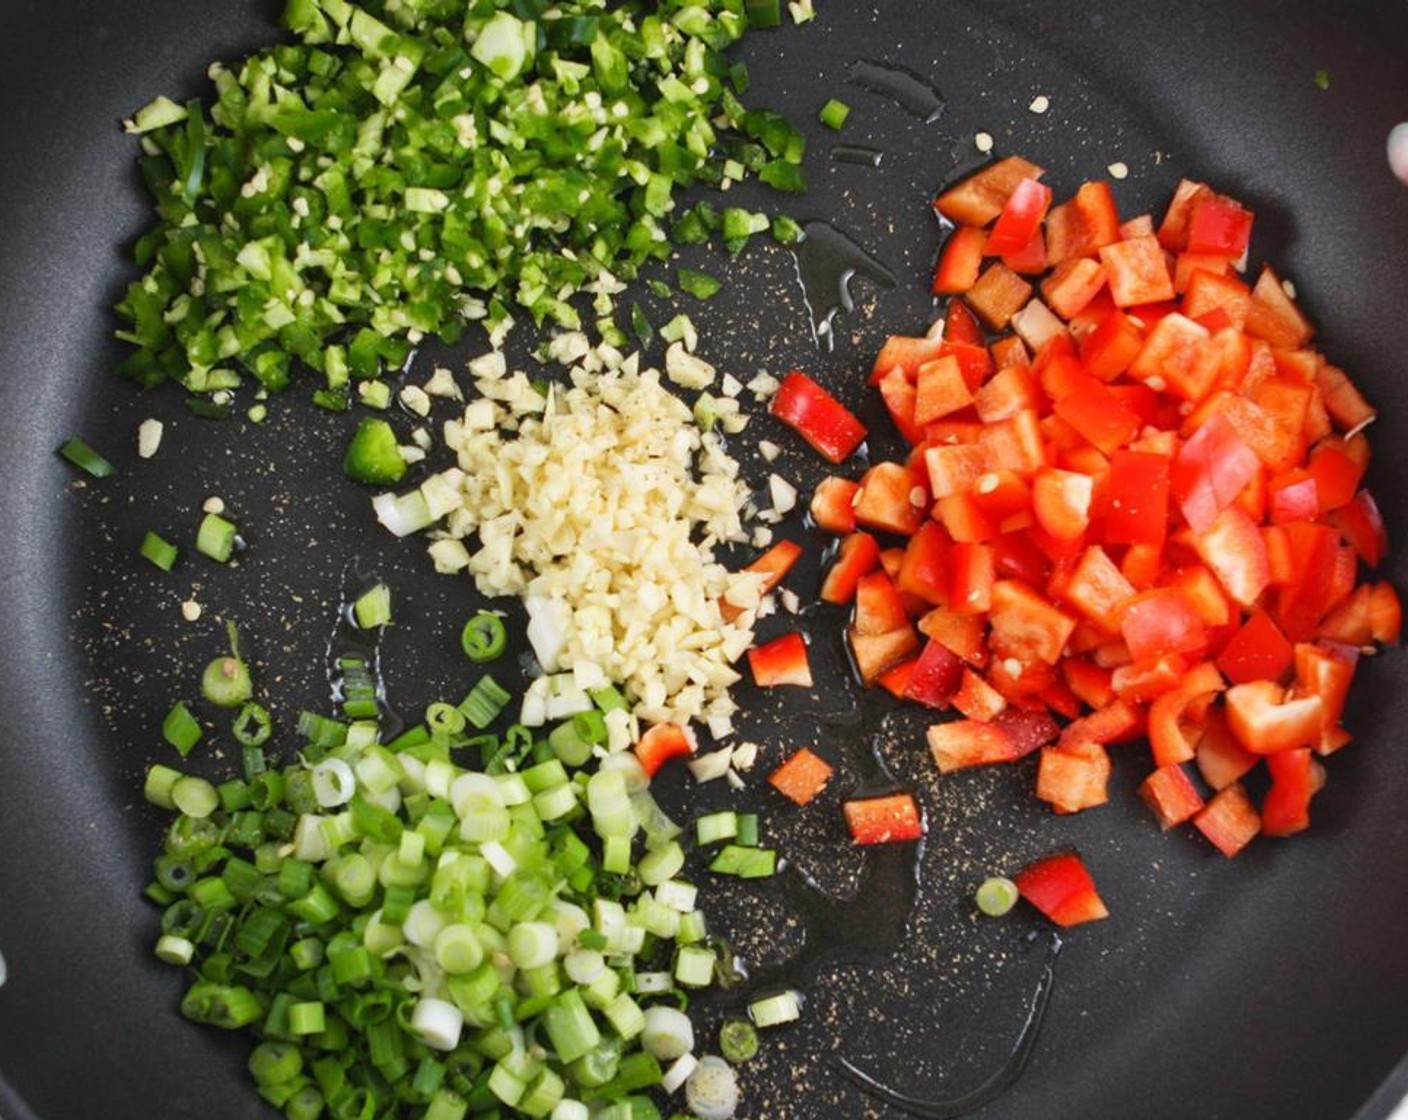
(1236, 552)
(1088, 681)
(1030, 259)
(1230, 821)
(1119, 722)
(961, 325)
(959, 262)
(980, 198)
(1111, 347)
(1211, 469)
(906, 353)
(998, 295)
(1327, 672)
(1385, 614)
(940, 390)
(1061, 502)
(1173, 231)
(1274, 316)
(1346, 406)
(1139, 489)
(818, 417)
(1168, 739)
(1020, 219)
(936, 676)
(1178, 357)
(1258, 651)
(879, 608)
(1265, 722)
(896, 679)
(1221, 759)
(1009, 352)
(966, 635)
(972, 571)
(899, 396)
(1219, 225)
(1362, 525)
(661, 743)
(977, 699)
(802, 777)
(857, 555)
(1074, 778)
(1014, 444)
(832, 505)
(887, 499)
(1294, 496)
(1099, 414)
(1072, 285)
(924, 571)
(1025, 626)
(1142, 681)
(1137, 272)
(782, 661)
(884, 820)
(963, 743)
(1082, 226)
(1159, 622)
(1062, 889)
(1172, 795)
(953, 468)
(876, 653)
(1206, 292)
(1286, 807)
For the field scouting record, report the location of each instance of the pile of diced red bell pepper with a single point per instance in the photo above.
(1133, 502)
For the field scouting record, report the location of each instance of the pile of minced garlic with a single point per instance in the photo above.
(601, 503)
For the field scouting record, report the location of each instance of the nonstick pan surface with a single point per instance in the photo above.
(1275, 985)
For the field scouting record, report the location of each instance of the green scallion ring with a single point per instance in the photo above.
(996, 896)
(484, 637)
(253, 727)
(738, 1041)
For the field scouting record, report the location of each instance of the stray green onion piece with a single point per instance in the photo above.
(996, 896)
(226, 681)
(484, 637)
(775, 1010)
(85, 458)
(253, 727)
(159, 551)
(216, 538)
(834, 113)
(181, 729)
(372, 608)
(1322, 79)
(738, 1041)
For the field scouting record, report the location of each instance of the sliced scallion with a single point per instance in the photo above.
(85, 458)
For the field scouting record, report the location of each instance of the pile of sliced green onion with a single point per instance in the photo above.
(453, 923)
(402, 168)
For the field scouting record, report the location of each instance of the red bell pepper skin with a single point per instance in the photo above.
(1062, 889)
(782, 661)
(1258, 651)
(1286, 808)
(1230, 821)
(1171, 794)
(1211, 470)
(661, 743)
(980, 198)
(833, 505)
(856, 556)
(818, 417)
(959, 262)
(884, 820)
(802, 777)
(874, 654)
(1265, 723)
(936, 677)
(1020, 219)
(1219, 226)
(1074, 778)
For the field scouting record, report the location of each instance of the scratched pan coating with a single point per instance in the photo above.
(1272, 986)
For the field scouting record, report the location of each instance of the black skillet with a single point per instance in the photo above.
(1275, 986)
